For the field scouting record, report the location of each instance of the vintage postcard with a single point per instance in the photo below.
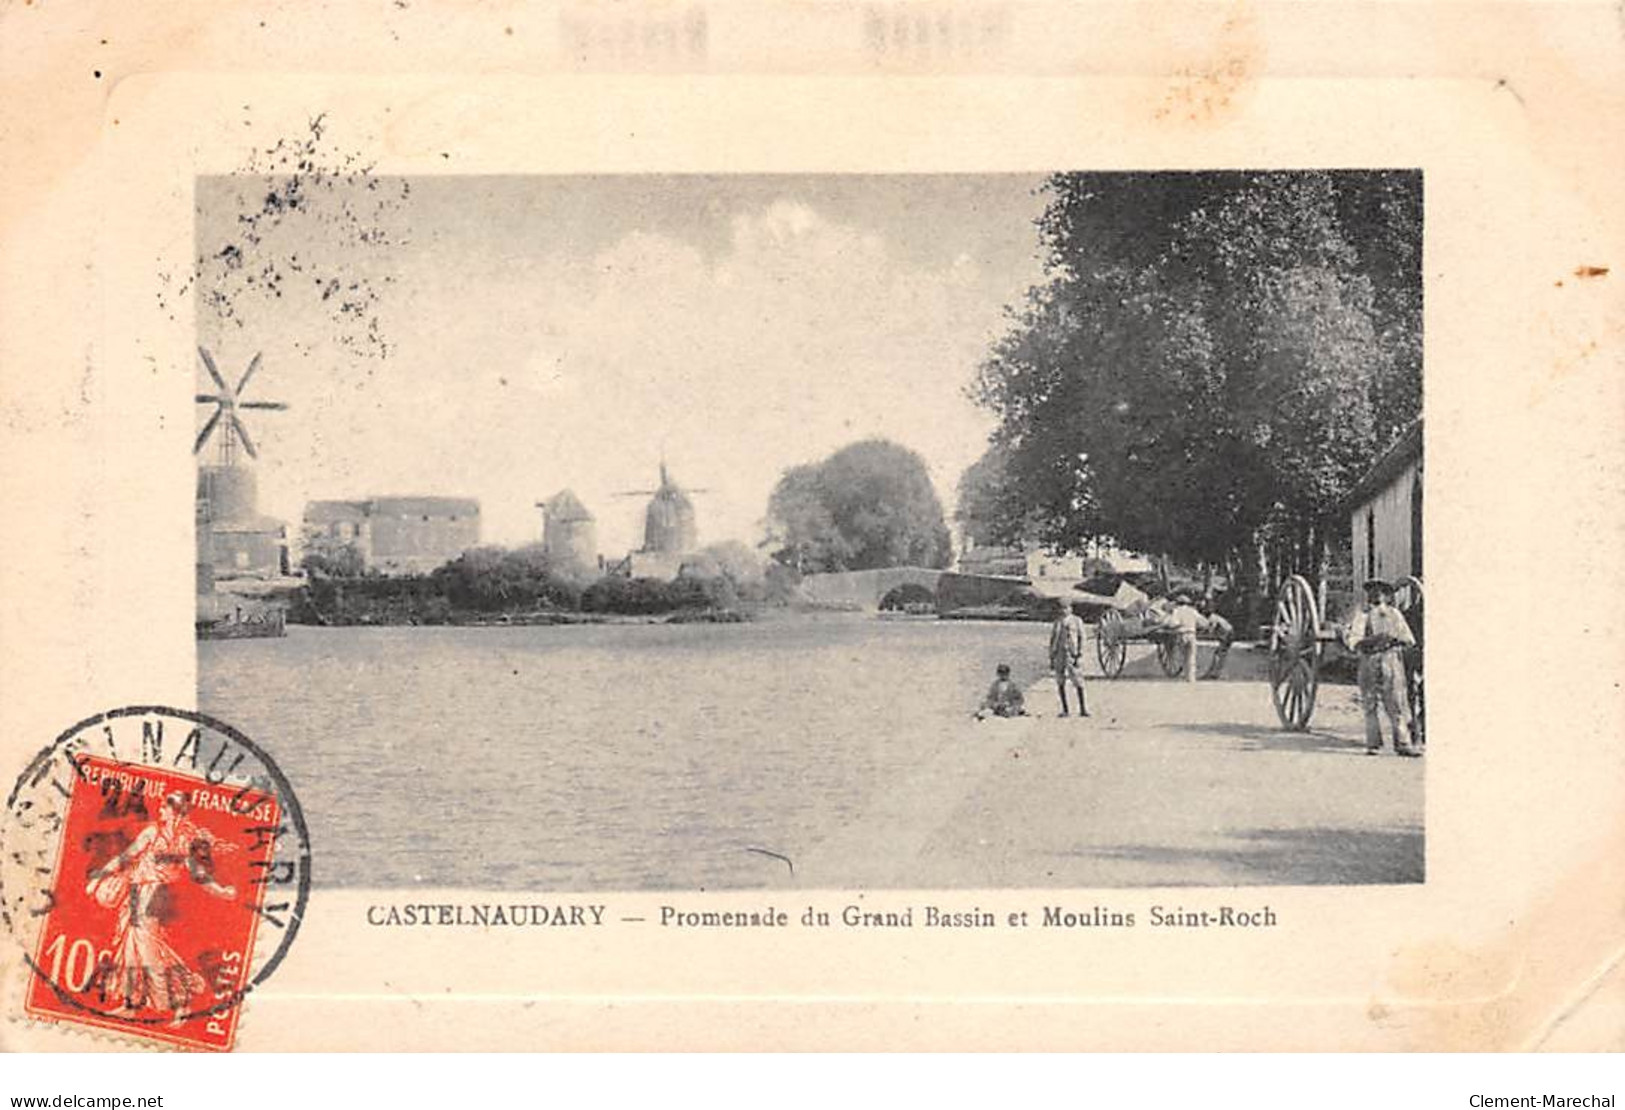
(852, 526)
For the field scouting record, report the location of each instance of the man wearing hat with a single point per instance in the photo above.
(1186, 621)
(1380, 635)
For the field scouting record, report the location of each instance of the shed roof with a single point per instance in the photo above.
(423, 506)
(330, 512)
(1389, 465)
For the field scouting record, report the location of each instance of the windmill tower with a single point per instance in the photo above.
(670, 529)
(670, 526)
(228, 519)
(569, 531)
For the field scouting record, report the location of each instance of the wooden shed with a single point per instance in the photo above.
(1385, 512)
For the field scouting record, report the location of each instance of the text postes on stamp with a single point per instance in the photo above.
(154, 865)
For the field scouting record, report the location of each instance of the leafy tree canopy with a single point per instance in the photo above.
(869, 505)
(1215, 357)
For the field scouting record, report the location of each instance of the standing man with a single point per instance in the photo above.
(1380, 635)
(1066, 640)
(1220, 629)
(1185, 620)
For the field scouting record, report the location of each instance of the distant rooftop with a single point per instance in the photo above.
(331, 512)
(423, 506)
(566, 506)
(328, 512)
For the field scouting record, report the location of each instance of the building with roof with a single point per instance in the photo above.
(234, 539)
(1026, 561)
(569, 532)
(394, 535)
(1385, 511)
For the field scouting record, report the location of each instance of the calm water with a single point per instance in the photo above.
(609, 757)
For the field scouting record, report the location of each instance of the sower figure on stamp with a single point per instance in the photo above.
(1380, 635)
(144, 970)
(1066, 640)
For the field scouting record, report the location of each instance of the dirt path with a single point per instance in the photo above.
(1166, 784)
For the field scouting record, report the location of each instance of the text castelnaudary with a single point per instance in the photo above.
(485, 914)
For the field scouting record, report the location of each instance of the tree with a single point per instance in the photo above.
(491, 579)
(730, 562)
(1213, 359)
(333, 560)
(991, 512)
(869, 505)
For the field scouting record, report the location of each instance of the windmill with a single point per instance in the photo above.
(669, 525)
(227, 401)
(233, 538)
(569, 533)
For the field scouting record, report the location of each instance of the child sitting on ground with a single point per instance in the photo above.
(1003, 697)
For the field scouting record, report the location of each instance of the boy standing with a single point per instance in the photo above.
(1066, 639)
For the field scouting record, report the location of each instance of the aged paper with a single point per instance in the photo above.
(119, 123)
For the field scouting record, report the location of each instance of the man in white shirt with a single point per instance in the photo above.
(1185, 620)
(1380, 635)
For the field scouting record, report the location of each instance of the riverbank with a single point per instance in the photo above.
(539, 619)
(446, 598)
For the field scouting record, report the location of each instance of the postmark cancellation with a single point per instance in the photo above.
(155, 870)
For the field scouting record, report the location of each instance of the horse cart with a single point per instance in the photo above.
(1115, 632)
(1297, 643)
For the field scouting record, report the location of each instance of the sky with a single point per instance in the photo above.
(566, 332)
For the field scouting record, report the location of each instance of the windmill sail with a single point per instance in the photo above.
(225, 416)
(203, 436)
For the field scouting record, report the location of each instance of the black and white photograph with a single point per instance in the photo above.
(826, 531)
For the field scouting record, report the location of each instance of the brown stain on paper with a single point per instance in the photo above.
(1519, 987)
(1212, 88)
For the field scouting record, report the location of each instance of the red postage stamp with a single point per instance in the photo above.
(167, 868)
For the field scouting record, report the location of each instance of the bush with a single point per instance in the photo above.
(781, 585)
(334, 561)
(648, 596)
(489, 579)
(412, 599)
(732, 561)
(629, 596)
(909, 597)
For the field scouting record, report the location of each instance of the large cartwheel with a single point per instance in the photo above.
(1111, 643)
(1295, 639)
(1171, 654)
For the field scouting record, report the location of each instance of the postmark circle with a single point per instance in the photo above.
(155, 866)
